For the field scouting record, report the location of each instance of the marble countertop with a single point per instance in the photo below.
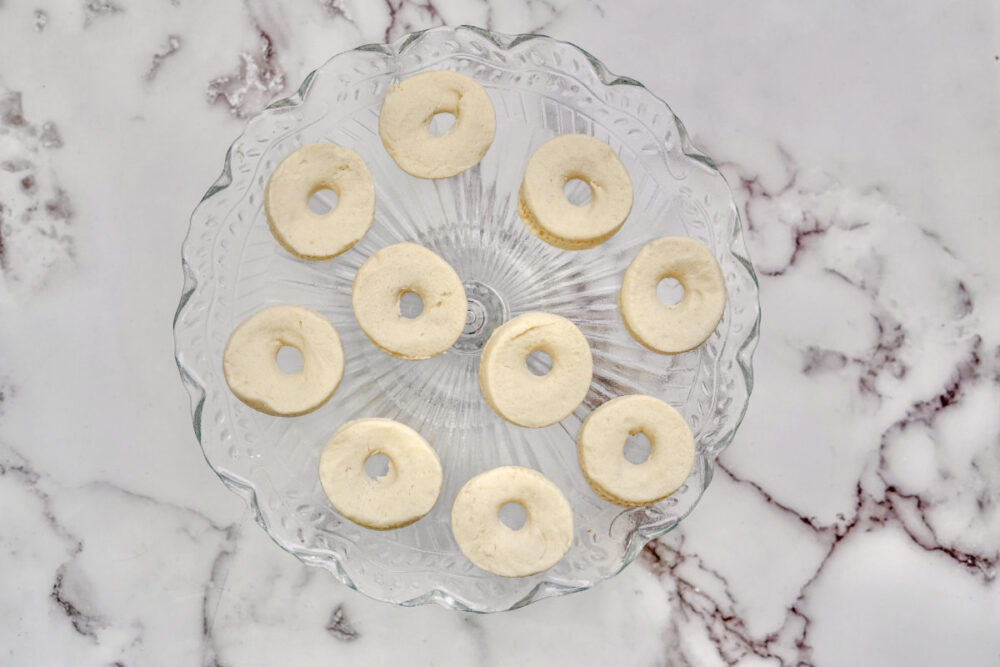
(855, 520)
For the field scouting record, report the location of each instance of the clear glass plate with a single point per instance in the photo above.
(233, 267)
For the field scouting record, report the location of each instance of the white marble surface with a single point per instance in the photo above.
(854, 521)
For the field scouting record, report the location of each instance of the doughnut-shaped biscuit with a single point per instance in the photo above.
(601, 443)
(250, 360)
(537, 545)
(405, 118)
(381, 283)
(687, 324)
(542, 202)
(302, 174)
(404, 494)
(517, 394)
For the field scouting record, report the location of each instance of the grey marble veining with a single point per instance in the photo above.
(854, 520)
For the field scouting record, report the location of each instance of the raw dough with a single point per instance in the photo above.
(404, 494)
(544, 538)
(542, 202)
(517, 394)
(685, 325)
(250, 360)
(383, 280)
(404, 124)
(601, 442)
(302, 174)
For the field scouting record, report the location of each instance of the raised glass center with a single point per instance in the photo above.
(486, 311)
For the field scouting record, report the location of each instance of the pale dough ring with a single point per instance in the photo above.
(302, 174)
(518, 395)
(687, 324)
(601, 442)
(404, 494)
(537, 545)
(542, 202)
(250, 360)
(383, 280)
(404, 124)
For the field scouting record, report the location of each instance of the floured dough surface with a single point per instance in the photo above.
(315, 167)
(547, 212)
(517, 394)
(405, 118)
(379, 287)
(537, 545)
(687, 324)
(601, 443)
(403, 495)
(250, 360)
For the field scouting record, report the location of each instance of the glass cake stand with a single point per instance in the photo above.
(233, 267)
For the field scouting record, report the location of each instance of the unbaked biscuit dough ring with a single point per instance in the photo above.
(302, 174)
(250, 360)
(405, 118)
(537, 545)
(403, 495)
(687, 324)
(381, 283)
(517, 394)
(547, 212)
(601, 442)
